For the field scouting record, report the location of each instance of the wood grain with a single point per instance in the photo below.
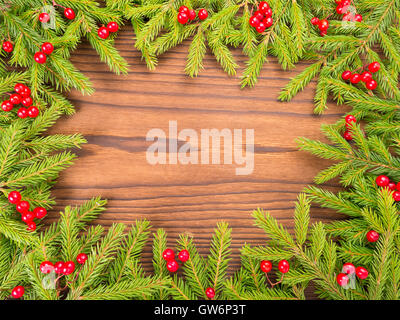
(188, 198)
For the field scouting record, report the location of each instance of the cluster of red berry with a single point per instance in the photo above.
(185, 14)
(384, 181)
(22, 96)
(349, 269)
(266, 266)
(22, 207)
(366, 76)
(343, 8)
(61, 267)
(172, 264)
(104, 32)
(262, 18)
(322, 24)
(41, 56)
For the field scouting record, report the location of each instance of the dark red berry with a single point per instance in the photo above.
(184, 9)
(210, 293)
(362, 273)
(254, 22)
(268, 13)
(374, 67)
(172, 266)
(366, 76)
(40, 57)
(355, 78)
(22, 206)
(184, 255)
(283, 266)
(58, 267)
(31, 226)
(103, 32)
(346, 75)
(315, 21)
(15, 98)
(33, 112)
(371, 84)
(112, 26)
(81, 258)
(22, 112)
(44, 17)
(323, 25)
(69, 13)
(263, 7)
(392, 186)
(39, 212)
(8, 46)
(382, 180)
(19, 87)
(68, 268)
(266, 266)
(27, 217)
(47, 48)
(14, 197)
(259, 15)
(396, 196)
(348, 268)
(191, 14)
(203, 14)
(27, 101)
(18, 292)
(261, 27)
(372, 236)
(46, 267)
(347, 135)
(7, 105)
(182, 18)
(268, 22)
(342, 279)
(26, 92)
(323, 33)
(168, 255)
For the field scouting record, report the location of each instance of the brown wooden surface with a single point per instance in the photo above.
(188, 198)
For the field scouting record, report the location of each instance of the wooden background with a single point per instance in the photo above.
(188, 198)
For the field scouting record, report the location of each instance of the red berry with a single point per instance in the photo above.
(348, 268)
(39, 212)
(382, 181)
(263, 7)
(358, 17)
(46, 267)
(7, 105)
(15, 98)
(323, 33)
(268, 13)
(112, 26)
(81, 258)
(392, 186)
(68, 268)
(283, 266)
(355, 78)
(172, 266)
(210, 293)
(396, 196)
(47, 48)
(103, 32)
(314, 21)
(261, 27)
(58, 267)
(350, 118)
(8, 46)
(40, 57)
(31, 226)
(184, 9)
(323, 25)
(339, 9)
(268, 22)
(374, 67)
(398, 186)
(203, 14)
(168, 255)
(347, 135)
(22, 206)
(27, 217)
(371, 84)
(69, 13)
(191, 14)
(183, 255)
(259, 15)
(26, 92)
(18, 292)
(27, 101)
(19, 87)
(14, 197)
(44, 17)
(366, 76)
(372, 236)
(33, 112)
(254, 22)
(362, 273)
(182, 18)
(22, 112)
(266, 266)
(342, 279)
